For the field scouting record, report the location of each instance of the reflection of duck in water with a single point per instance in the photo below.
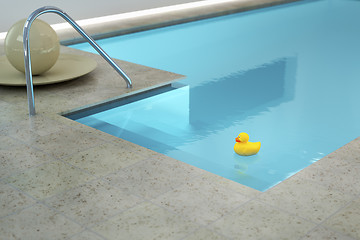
(245, 148)
(242, 165)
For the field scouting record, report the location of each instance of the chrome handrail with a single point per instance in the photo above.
(27, 59)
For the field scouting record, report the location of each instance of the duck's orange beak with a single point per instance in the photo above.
(237, 139)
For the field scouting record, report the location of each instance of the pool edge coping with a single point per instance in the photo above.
(122, 25)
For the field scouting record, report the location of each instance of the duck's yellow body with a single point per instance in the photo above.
(244, 147)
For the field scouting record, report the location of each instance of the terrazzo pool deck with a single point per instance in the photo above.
(63, 180)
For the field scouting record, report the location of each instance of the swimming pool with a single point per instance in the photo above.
(287, 75)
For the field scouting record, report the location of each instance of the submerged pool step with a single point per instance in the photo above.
(168, 135)
(130, 129)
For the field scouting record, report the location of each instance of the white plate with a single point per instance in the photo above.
(67, 67)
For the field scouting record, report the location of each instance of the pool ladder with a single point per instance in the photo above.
(26, 33)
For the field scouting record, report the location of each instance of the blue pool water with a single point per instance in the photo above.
(289, 76)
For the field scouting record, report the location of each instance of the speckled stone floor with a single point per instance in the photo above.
(63, 180)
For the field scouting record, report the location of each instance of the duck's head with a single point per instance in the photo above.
(242, 138)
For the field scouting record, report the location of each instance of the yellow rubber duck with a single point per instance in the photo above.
(245, 148)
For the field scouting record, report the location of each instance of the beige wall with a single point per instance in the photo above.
(77, 9)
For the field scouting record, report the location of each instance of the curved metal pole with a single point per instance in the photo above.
(27, 59)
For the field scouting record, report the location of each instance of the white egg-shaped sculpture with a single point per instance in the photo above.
(44, 46)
